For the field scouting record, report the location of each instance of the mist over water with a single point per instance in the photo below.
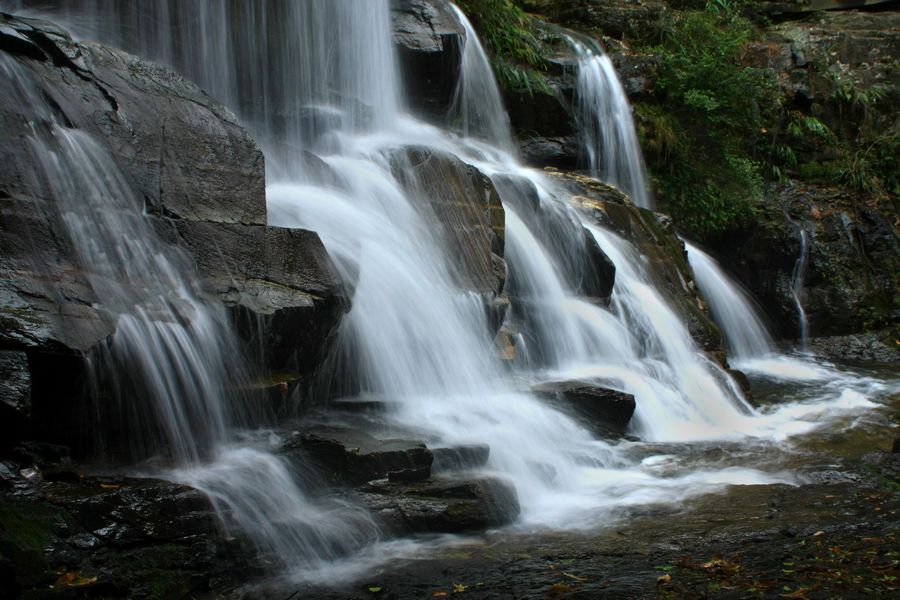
(415, 335)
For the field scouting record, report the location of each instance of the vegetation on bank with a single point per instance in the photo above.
(706, 128)
(717, 126)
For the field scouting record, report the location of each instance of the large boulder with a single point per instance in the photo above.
(201, 180)
(353, 456)
(663, 252)
(607, 412)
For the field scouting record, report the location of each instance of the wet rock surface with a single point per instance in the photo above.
(429, 41)
(353, 456)
(604, 411)
(441, 504)
(866, 347)
(851, 278)
(464, 205)
(663, 252)
(84, 536)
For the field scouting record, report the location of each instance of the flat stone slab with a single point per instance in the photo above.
(354, 457)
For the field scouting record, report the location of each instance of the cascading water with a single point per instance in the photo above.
(476, 101)
(745, 334)
(607, 127)
(415, 337)
(173, 365)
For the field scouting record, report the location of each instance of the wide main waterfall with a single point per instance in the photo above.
(435, 233)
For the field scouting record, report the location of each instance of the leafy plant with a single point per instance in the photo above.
(505, 29)
(706, 131)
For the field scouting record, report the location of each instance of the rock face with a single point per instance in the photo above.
(15, 396)
(354, 457)
(853, 270)
(663, 251)
(429, 41)
(200, 177)
(464, 204)
(442, 505)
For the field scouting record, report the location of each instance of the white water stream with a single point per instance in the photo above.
(416, 337)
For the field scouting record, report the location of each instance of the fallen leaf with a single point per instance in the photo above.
(110, 486)
(439, 594)
(575, 577)
(73, 579)
(458, 588)
(663, 579)
(375, 589)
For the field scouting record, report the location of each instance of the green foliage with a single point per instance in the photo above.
(505, 29)
(705, 147)
(511, 40)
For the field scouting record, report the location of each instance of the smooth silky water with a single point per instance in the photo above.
(413, 336)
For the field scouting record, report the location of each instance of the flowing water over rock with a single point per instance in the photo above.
(732, 309)
(426, 264)
(607, 127)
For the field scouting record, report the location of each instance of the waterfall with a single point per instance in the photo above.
(745, 334)
(316, 83)
(476, 100)
(797, 286)
(276, 63)
(607, 126)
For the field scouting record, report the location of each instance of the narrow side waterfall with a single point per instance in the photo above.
(607, 126)
(476, 101)
(797, 286)
(745, 334)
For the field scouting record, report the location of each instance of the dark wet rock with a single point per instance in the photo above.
(606, 411)
(464, 204)
(559, 152)
(742, 381)
(442, 505)
(598, 279)
(585, 269)
(15, 397)
(460, 458)
(616, 18)
(429, 41)
(353, 456)
(853, 268)
(865, 347)
(409, 475)
(117, 537)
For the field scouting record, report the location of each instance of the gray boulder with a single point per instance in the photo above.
(200, 176)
